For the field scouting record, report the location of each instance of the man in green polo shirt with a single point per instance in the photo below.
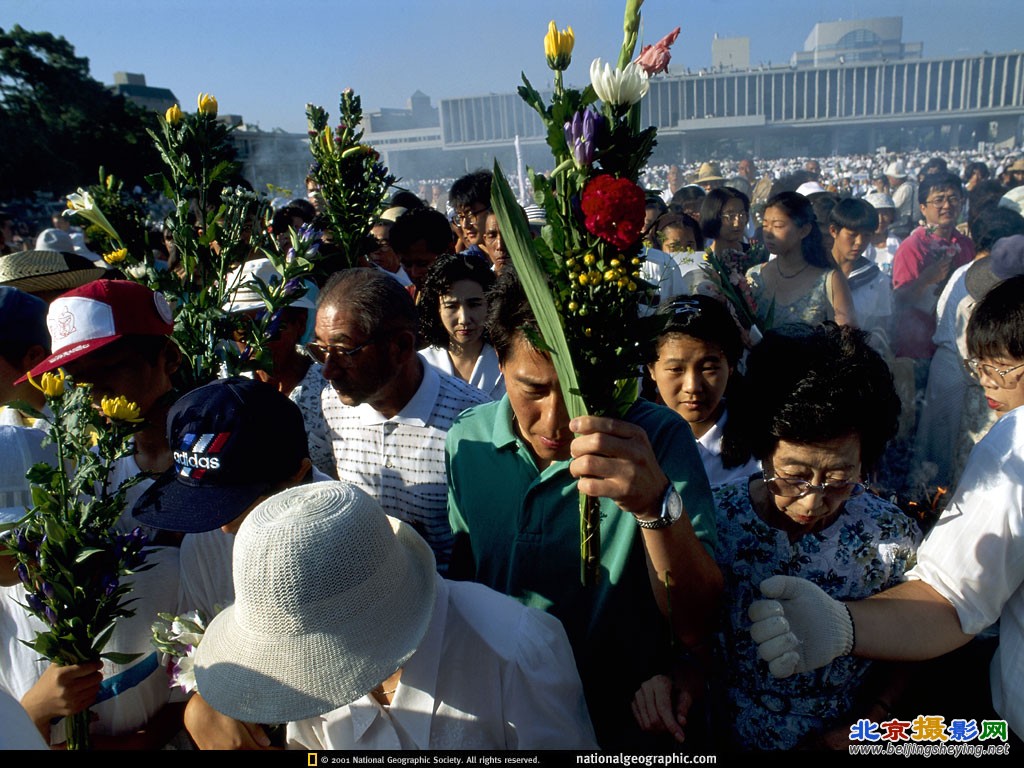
(515, 468)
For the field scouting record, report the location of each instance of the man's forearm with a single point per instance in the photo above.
(909, 622)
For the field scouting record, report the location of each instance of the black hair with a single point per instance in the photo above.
(685, 195)
(992, 223)
(855, 214)
(403, 198)
(799, 209)
(701, 317)
(378, 301)
(683, 220)
(938, 180)
(472, 189)
(985, 193)
(302, 208)
(509, 313)
(425, 224)
(809, 384)
(979, 167)
(934, 165)
(448, 269)
(996, 326)
(713, 204)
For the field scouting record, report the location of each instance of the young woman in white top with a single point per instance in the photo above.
(453, 307)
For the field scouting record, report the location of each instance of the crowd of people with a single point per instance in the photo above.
(805, 522)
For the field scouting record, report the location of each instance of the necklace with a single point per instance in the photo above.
(789, 277)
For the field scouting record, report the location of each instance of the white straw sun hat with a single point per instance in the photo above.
(332, 596)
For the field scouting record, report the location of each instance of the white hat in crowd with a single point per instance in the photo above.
(896, 169)
(880, 200)
(332, 597)
(245, 298)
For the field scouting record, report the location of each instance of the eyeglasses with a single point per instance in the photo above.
(939, 202)
(462, 218)
(794, 488)
(995, 375)
(321, 353)
(741, 216)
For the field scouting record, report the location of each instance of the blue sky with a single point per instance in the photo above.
(265, 59)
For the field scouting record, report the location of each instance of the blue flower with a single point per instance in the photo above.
(581, 135)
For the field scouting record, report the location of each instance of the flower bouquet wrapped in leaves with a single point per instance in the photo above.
(582, 277)
(353, 182)
(71, 560)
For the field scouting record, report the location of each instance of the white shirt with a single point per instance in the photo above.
(142, 685)
(662, 271)
(486, 375)
(709, 446)
(399, 461)
(945, 311)
(974, 556)
(17, 731)
(490, 673)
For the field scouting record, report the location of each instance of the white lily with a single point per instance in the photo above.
(188, 628)
(618, 87)
(183, 673)
(82, 204)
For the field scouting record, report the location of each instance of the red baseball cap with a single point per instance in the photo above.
(89, 317)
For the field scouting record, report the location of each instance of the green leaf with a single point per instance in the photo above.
(535, 283)
(120, 658)
(86, 553)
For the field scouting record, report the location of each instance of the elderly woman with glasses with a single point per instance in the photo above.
(820, 409)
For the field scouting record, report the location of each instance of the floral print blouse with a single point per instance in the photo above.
(867, 549)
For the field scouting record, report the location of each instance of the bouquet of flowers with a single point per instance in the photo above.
(178, 637)
(583, 276)
(726, 280)
(353, 182)
(215, 227)
(71, 560)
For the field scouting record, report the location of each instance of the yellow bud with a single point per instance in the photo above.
(595, 277)
(570, 263)
(587, 332)
(558, 47)
(623, 282)
(632, 285)
(173, 115)
(589, 259)
(207, 104)
(573, 306)
(584, 278)
(610, 275)
(120, 409)
(50, 384)
(615, 262)
(635, 262)
(116, 257)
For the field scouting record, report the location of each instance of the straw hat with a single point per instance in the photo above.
(880, 200)
(709, 172)
(45, 270)
(331, 597)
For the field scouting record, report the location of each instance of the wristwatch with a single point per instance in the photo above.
(671, 510)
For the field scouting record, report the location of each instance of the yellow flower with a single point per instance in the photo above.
(173, 115)
(50, 384)
(120, 409)
(610, 275)
(558, 47)
(573, 306)
(589, 259)
(207, 104)
(584, 277)
(115, 257)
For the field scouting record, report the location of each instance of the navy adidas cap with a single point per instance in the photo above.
(234, 440)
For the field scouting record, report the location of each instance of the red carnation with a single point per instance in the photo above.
(614, 210)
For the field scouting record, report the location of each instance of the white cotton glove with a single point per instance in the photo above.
(801, 628)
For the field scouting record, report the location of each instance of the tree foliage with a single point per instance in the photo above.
(58, 124)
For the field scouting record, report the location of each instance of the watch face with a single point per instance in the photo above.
(672, 508)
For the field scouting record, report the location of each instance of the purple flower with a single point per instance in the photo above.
(51, 615)
(34, 603)
(109, 584)
(48, 589)
(581, 135)
(23, 576)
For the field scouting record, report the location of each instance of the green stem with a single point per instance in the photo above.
(78, 731)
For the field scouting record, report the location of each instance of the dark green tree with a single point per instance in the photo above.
(58, 125)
